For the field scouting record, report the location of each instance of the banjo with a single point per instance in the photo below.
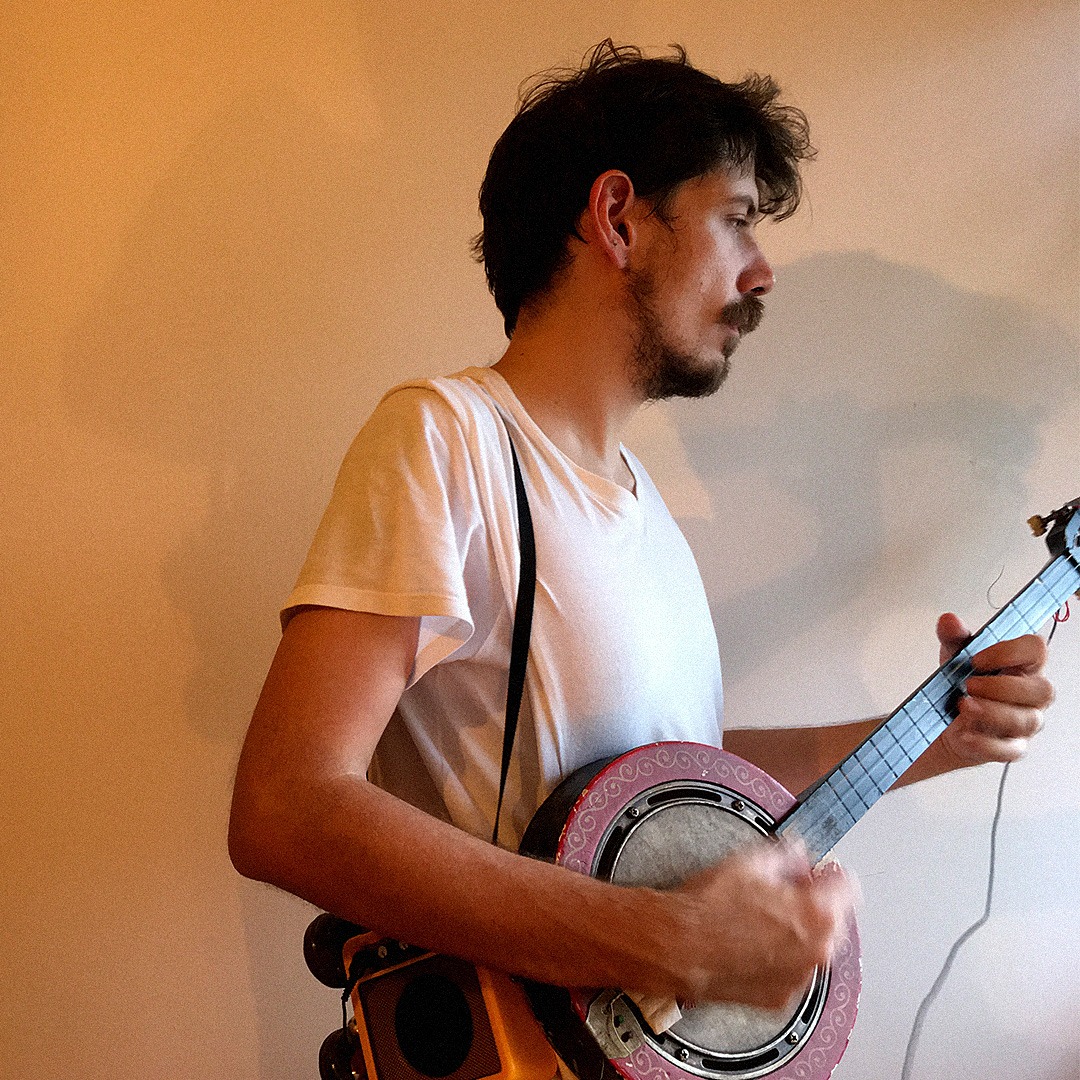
(654, 817)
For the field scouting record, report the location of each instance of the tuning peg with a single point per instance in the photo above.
(1038, 525)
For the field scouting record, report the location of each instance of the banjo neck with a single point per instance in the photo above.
(828, 809)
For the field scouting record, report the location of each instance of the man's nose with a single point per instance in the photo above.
(757, 277)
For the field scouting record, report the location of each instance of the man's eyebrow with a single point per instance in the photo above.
(748, 202)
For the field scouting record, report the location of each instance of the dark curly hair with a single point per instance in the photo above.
(660, 120)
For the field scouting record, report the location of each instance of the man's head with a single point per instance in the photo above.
(660, 121)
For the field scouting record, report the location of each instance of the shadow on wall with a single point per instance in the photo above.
(871, 444)
(221, 343)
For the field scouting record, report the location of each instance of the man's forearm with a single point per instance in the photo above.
(999, 712)
(798, 757)
(750, 929)
(368, 857)
(305, 819)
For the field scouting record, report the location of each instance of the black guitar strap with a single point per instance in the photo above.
(519, 642)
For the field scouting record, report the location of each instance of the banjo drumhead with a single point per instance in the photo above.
(688, 829)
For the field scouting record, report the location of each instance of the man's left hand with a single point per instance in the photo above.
(1006, 695)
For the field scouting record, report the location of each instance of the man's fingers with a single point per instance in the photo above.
(1025, 691)
(781, 919)
(827, 894)
(782, 860)
(983, 716)
(790, 861)
(952, 634)
(977, 748)
(843, 884)
(1027, 653)
(831, 898)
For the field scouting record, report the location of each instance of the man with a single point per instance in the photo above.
(619, 241)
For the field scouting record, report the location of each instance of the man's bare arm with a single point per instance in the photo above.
(999, 714)
(305, 819)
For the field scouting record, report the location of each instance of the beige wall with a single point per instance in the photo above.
(227, 228)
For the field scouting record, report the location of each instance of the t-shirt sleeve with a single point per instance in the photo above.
(396, 534)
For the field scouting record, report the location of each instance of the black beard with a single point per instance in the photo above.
(660, 370)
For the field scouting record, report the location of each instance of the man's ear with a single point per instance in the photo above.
(609, 222)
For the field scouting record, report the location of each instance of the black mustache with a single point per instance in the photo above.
(745, 314)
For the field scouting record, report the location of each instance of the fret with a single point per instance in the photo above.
(880, 779)
(815, 837)
(911, 752)
(839, 805)
(873, 780)
(826, 835)
(1028, 603)
(943, 700)
(905, 736)
(905, 730)
(917, 718)
(1039, 604)
(820, 826)
(1035, 603)
(843, 789)
(994, 631)
(1066, 581)
(1050, 602)
(1035, 612)
(893, 775)
(1025, 625)
(860, 783)
(895, 756)
(945, 685)
(1059, 580)
(1032, 606)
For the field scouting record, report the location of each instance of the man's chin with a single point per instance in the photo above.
(689, 378)
(716, 376)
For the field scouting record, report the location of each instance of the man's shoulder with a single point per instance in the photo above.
(465, 397)
(448, 418)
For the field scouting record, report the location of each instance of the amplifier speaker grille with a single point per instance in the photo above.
(428, 1019)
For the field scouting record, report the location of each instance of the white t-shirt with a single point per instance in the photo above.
(423, 522)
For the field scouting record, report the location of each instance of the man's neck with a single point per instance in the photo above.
(570, 368)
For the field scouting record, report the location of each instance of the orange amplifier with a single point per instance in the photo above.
(419, 1015)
